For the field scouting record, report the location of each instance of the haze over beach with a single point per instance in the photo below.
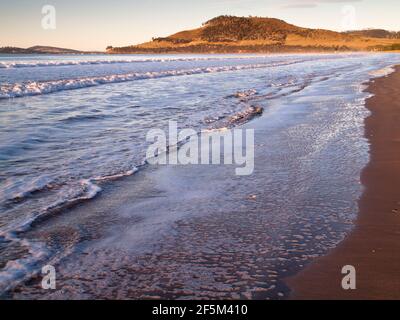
(217, 150)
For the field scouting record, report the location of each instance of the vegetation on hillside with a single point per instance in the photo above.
(38, 50)
(229, 28)
(375, 33)
(392, 47)
(13, 50)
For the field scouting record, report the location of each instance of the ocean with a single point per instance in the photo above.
(73, 151)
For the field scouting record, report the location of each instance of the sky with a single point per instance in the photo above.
(93, 25)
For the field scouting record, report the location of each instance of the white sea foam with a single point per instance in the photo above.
(116, 176)
(23, 268)
(246, 93)
(32, 88)
(16, 271)
(382, 72)
(61, 63)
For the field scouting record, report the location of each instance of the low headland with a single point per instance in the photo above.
(41, 50)
(230, 34)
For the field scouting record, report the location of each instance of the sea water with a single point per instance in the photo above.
(69, 124)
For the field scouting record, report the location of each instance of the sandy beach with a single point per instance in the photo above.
(373, 248)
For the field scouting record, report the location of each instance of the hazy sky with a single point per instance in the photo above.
(92, 25)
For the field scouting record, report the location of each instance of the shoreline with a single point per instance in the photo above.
(373, 247)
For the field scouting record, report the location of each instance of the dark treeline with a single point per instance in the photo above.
(214, 48)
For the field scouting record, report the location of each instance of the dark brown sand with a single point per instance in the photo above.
(373, 248)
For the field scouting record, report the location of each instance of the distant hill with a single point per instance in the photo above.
(230, 34)
(54, 50)
(12, 50)
(38, 50)
(375, 33)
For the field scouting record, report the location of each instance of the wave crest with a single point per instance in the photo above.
(17, 90)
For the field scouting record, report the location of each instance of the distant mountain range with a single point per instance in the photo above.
(375, 33)
(230, 34)
(39, 50)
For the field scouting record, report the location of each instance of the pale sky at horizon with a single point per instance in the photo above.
(92, 25)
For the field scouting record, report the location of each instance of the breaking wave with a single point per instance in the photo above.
(23, 268)
(32, 88)
(33, 64)
(382, 72)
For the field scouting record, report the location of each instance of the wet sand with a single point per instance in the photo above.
(373, 248)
